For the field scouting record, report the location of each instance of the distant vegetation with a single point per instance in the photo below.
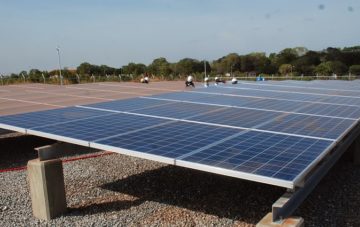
(294, 62)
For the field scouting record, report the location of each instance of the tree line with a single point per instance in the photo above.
(298, 61)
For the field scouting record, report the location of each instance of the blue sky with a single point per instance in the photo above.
(118, 32)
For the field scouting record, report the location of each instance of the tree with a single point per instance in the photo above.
(259, 61)
(333, 54)
(286, 56)
(355, 69)
(34, 75)
(285, 69)
(188, 66)
(330, 67)
(134, 69)
(307, 63)
(246, 64)
(84, 68)
(226, 63)
(160, 67)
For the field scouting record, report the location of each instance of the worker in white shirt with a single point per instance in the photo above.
(145, 79)
(189, 81)
(206, 80)
(234, 80)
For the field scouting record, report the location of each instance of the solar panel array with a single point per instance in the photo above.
(270, 132)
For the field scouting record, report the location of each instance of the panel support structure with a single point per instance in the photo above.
(291, 200)
(355, 150)
(56, 150)
(47, 188)
(46, 179)
(4, 131)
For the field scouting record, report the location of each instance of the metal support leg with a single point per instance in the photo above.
(291, 200)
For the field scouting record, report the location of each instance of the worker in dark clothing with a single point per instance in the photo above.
(189, 81)
(218, 80)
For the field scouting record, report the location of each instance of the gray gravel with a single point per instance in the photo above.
(117, 190)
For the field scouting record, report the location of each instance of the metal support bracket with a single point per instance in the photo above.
(5, 131)
(291, 200)
(58, 149)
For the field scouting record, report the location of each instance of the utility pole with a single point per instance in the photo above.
(61, 78)
(205, 68)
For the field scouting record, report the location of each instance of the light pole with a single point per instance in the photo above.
(61, 79)
(205, 68)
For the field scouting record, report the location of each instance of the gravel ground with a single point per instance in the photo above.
(117, 190)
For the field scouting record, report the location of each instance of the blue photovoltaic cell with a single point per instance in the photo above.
(178, 110)
(34, 119)
(297, 89)
(272, 104)
(129, 104)
(172, 140)
(183, 96)
(325, 127)
(331, 110)
(227, 100)
(275, 156)
(102, 127)
(342, 100)
(237, 117)
(284, 95)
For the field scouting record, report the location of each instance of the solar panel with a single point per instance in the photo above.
(249, 136)
(285, 96)
(129, 104)
(331, 110)
(299, 89)
(56, 116)
(330, 128)
(101, 127)
(238, 117)
(171, 140)
(270, 155)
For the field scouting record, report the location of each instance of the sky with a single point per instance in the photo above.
(115, 33)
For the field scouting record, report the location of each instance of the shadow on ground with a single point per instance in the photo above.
(224, 197)
(334, 202)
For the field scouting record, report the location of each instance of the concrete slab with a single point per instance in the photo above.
(28, 97)
(289, 222)
(47, 188)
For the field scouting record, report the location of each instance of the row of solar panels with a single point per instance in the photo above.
(207, 129)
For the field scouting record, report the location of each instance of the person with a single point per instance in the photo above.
(260, 78)
(218, 80)
(206, 80)
(145, 79)
(189, 81)
(234, 80)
